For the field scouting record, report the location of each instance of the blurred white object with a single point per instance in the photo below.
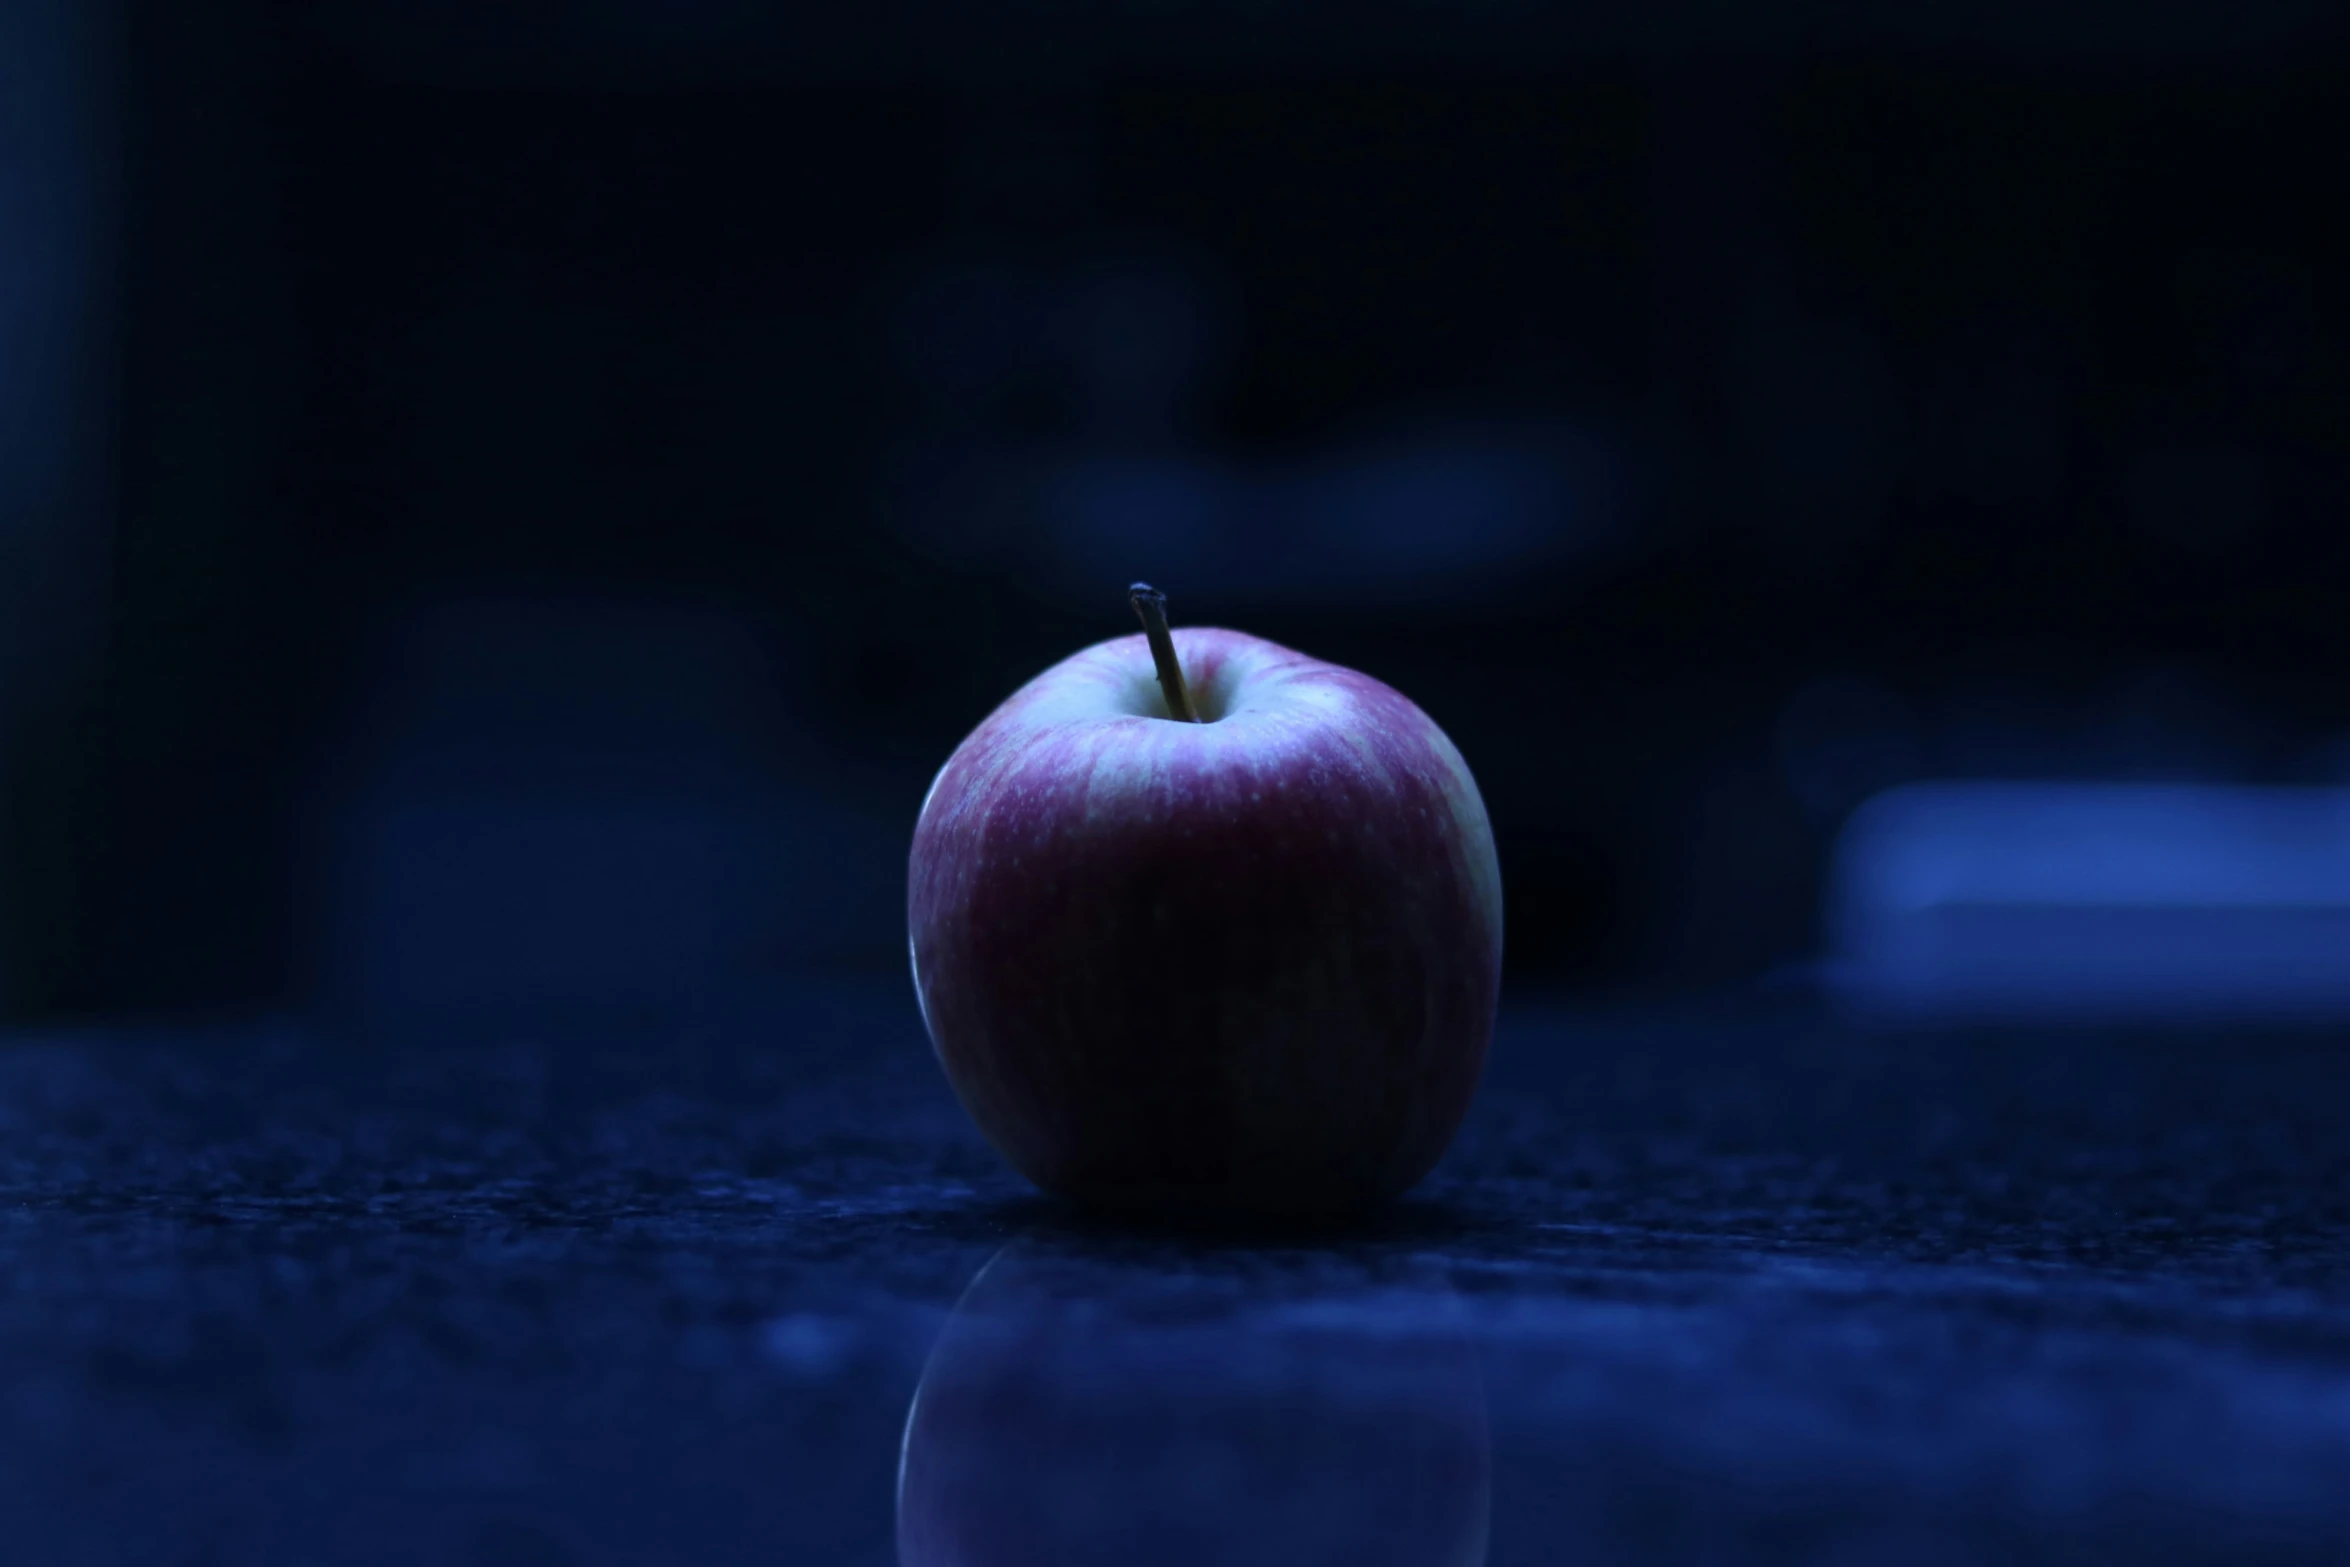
(2094, 900)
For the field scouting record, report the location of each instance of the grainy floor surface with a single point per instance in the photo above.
(1692, 1288)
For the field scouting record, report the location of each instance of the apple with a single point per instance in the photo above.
(1080, 1410)
(1198, 922)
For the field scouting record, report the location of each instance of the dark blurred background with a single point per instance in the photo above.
(505, 505)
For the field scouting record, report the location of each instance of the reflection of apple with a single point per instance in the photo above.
(1246, 962)
(1078, 1413)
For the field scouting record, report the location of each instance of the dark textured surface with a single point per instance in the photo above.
(1705, 1289)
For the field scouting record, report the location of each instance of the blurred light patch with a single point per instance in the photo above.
(1056, 428)
(55, 193)
(1415, 515)
(47, 186)
(55, 200)
(564, 809)
(473, 905)
(2084, 901)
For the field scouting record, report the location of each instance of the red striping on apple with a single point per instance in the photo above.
(1244, 963)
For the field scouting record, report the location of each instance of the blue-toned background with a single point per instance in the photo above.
(508, 504)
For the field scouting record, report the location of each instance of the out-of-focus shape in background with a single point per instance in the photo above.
(56, 350)
(565, 808)
(1406, 512)
(2053, 901)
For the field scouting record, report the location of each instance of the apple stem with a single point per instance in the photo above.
(1151, 605)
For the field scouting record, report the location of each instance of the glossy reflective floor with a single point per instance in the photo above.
(1702, 1289)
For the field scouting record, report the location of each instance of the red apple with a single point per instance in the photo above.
(1243, 963)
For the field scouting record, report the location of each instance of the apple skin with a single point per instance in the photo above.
(1247, 965)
